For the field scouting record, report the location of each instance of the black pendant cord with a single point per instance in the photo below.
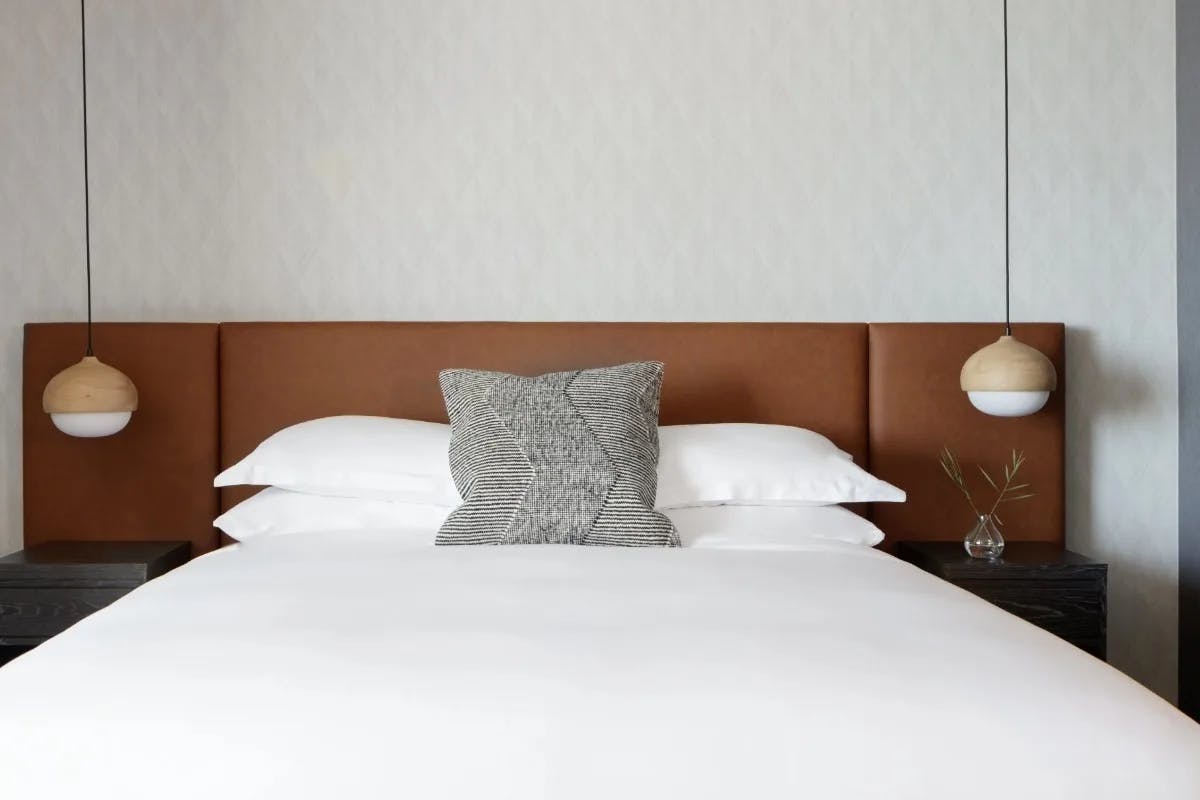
(87, 220)
(1007, 296)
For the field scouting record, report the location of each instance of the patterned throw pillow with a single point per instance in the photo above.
(567, 457)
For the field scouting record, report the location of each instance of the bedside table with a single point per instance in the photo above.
(47, 588)
(1057, 590)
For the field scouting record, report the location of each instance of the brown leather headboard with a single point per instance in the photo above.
(274, 375)
(210, 393)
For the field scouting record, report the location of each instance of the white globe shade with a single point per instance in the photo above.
(90, 425)
(1009, 404)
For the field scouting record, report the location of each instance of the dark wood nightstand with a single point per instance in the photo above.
(47, 588)
(1057, 590)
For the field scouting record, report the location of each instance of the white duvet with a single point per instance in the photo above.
(356, 666)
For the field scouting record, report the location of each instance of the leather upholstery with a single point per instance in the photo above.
(276, 374)
(916, 407)
(211, 393)
(151, 481)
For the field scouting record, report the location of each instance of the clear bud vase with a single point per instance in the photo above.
(984, 540)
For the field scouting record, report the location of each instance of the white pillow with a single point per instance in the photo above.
(770, 526)
(749, 464)
(278, 512)
(381, 458)
(376, 458)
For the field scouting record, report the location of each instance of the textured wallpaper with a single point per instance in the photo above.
(634, 159)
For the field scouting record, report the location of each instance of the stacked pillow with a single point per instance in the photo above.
(368, 458)
(745, 464)
(356, 472)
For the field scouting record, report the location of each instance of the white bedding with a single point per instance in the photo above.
(355, 666)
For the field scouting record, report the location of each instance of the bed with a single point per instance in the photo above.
(365, 664)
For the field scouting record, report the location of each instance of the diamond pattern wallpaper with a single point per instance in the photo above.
(626, 159)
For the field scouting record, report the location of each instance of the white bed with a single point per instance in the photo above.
(361, 666)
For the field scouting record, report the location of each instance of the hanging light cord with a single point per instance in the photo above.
(1008, 322)
(87, 221)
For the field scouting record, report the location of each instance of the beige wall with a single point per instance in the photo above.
(634, 159)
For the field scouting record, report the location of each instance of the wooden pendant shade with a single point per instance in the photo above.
(1008, 365)
(89, 387)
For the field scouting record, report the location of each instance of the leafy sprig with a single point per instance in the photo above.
(1008, 492)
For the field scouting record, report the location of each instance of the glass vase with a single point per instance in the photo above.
(984, 540)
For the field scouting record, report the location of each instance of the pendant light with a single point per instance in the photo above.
(90, 398)
(1008, 378)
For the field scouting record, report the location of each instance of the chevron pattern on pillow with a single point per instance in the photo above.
(566, 457)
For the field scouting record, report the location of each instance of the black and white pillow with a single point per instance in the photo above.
(567, 457)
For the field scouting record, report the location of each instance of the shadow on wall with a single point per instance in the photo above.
(1105, 394)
